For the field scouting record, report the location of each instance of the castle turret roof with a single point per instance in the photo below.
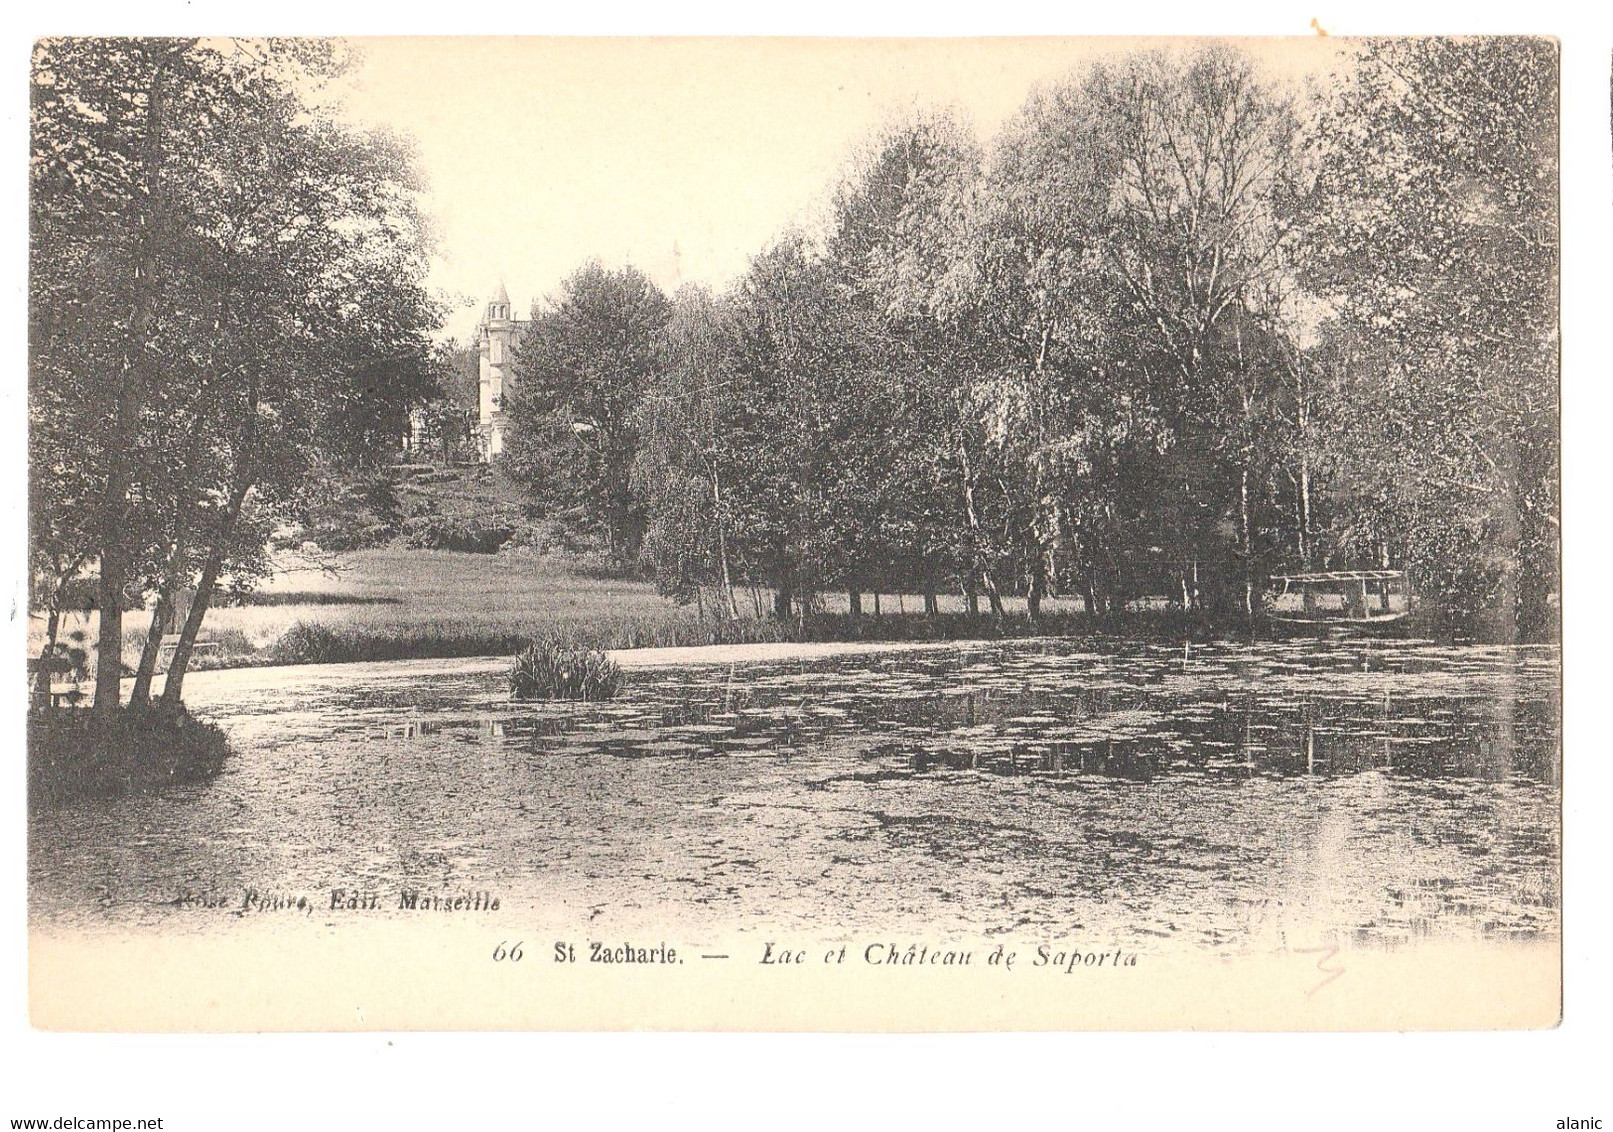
(501, 295)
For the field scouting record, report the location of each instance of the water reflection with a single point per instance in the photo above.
(1288, 709)
(1223, 795)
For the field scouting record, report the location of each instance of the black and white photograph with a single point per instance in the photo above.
(768, 534)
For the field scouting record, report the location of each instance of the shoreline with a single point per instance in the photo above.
(269, 676)
(761, 651)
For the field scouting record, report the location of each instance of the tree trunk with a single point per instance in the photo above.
(971, 594)
(854, 599)
(174, 684)
(1305, 512)
(47, 658)
(1536, 620)
(722, 546)
(1303, 420)
(115, 520)
(53, 622)
(932, 604)
(159, 622)
(115, 500)
(1246, 544)
(783, 597)
(994, 599)
(1053, 583)
(1042, 537)
(977, 560)
(109, 638)
(141, 692)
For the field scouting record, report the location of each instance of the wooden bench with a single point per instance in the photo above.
(170, 645)
(69, 693)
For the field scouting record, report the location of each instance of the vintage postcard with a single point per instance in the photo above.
(747, 534)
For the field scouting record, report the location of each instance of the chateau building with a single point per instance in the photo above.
(496, 339)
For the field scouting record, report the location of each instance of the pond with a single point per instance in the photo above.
(1228, 797)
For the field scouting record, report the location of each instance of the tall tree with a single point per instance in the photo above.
(895, 511)
(1055, 401)
(686, 460)
(107, 119)
(327, 332)
(1437, 243)
(224, 285)
(581, 369)
(1209, 164)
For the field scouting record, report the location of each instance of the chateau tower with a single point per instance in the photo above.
(497, 337)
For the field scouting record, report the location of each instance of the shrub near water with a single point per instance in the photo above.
(553, 669)
(312, 642)
(72, 752)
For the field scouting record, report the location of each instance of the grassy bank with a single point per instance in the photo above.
(397, 603)
(336, 643)
(394, 603)
(75, 753)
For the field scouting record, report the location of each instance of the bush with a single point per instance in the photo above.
(68, 660)
(311, 642)
(355, 513)
(73, 753)
(432, 475)
(352, 535)
(597, 568)
(438, 532)
(553, 669)
(541, 537)
(304, 597)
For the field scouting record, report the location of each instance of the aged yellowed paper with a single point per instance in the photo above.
(717, 534)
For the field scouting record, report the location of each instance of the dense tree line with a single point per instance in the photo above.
(1177, 327)
(226, 302)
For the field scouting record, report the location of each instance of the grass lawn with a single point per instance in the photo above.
(393, 588)
(395, 603)
(401, 595)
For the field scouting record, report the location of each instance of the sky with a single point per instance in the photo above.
(683, 157)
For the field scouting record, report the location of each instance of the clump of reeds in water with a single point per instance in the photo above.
(552, 668)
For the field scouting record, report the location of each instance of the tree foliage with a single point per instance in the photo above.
(226, 296)
(582, 367)
(1176, 328)
(1436, 241)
